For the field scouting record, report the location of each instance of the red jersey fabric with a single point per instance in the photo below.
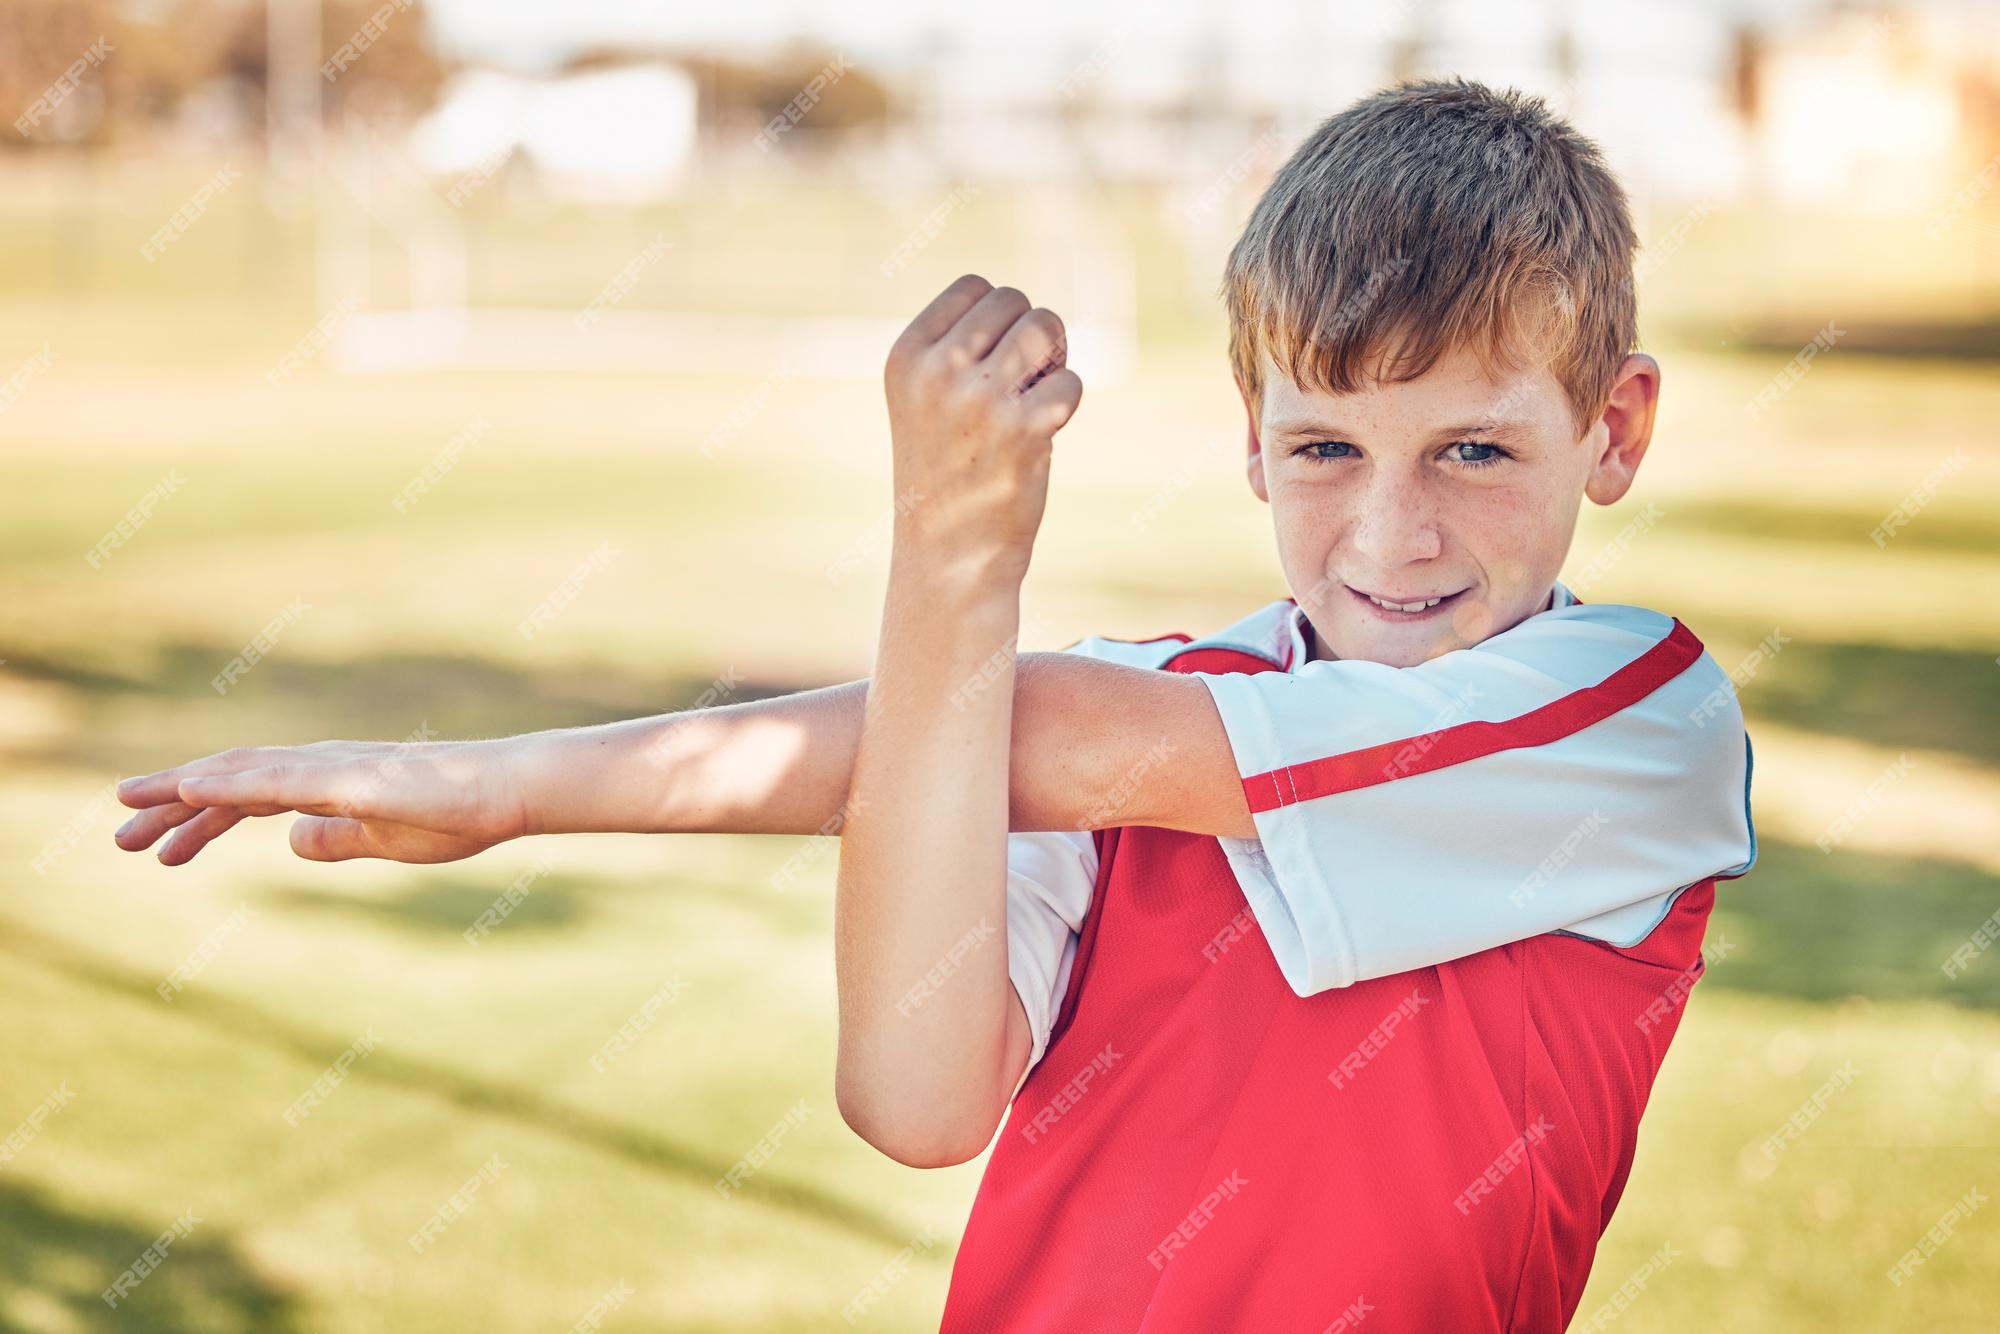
(1201, 1149)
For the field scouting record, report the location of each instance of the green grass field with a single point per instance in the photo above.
(720, 569)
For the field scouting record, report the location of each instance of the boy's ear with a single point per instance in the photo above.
(1621, 435)
(1255, 462)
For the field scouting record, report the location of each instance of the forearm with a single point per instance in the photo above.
(773, 766)
(1081, 731)
(920, 928)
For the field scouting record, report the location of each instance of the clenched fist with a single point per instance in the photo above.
(978, 387)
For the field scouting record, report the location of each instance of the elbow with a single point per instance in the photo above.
(913, 1134)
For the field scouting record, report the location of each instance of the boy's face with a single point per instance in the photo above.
(1458, 490)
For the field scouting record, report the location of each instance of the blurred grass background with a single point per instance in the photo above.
(720, 571)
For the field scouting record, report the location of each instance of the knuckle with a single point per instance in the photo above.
(926, 377)
(944, 362)
(966, 292)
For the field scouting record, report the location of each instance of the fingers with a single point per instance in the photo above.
(313, 789)
(982, 327)
(137, 834)
(330, 838)
(206, 826)
(162, 786)
(936, 320)
(975, 321)
(1036, 344)
(157, 795)
(323, 838)
(1055, 361)
(1053, 400)
(335, 839)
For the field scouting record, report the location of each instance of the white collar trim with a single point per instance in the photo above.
(1290, 648)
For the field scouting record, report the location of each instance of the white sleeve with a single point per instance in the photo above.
(1049, 881)
(1575, 772)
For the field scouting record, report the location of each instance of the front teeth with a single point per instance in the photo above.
(1405, 606)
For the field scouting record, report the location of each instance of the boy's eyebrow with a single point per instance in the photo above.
(1503, 427)
(1500, 427)
(1301, 426)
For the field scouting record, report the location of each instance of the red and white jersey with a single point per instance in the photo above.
(1575, 772)
(1383, 1066)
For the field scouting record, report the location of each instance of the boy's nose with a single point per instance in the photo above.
(1396, 527)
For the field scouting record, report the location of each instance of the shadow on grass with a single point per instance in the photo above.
(444, 904)
(1895, 697)
(241, 1022)
(1845, 525)
(1825, 926)
(1970, 340)
(383, 697)
(65, 1260)
(449, 906)
(1898, 698)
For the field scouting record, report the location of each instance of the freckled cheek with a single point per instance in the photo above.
(1469, 520)
(1500, 530)
(1518, 536)
(1312, 521)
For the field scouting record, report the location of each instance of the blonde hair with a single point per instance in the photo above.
(1427, 217)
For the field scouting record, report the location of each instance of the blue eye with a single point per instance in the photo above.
(1482, 454)
(1326, 449)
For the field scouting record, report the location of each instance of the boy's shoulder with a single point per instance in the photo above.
(1270, 634)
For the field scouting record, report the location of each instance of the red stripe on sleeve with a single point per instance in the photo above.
(1468, 741)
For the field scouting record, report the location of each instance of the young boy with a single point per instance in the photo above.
(1338, 949)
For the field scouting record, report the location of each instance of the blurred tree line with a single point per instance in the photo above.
(196, 63)
(203, 66)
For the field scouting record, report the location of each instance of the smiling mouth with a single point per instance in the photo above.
(1404, 609)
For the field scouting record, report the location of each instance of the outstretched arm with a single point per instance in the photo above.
(772, 766)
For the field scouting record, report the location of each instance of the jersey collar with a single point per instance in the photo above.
(1294, 639)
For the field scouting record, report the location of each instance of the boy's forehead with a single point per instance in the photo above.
(1461, 390)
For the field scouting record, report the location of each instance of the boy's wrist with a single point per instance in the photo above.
(519, 766)
(579, 780)
(952, 574)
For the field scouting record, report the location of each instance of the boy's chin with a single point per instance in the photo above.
(1393, 645)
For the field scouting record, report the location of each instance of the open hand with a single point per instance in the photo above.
(431, 801)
